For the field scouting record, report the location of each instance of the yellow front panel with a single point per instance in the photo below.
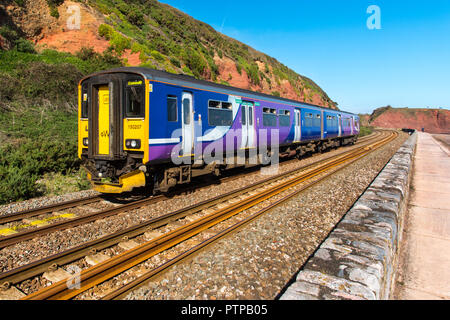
(103, 120)
(134, 129)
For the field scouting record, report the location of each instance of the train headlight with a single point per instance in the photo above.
(133, 143)
(85, 142)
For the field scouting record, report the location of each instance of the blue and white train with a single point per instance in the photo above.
(143, 127)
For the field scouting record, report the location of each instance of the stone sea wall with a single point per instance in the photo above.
(358, 259)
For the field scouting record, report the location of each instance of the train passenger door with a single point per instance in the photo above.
(103, 120)
(248, 125)
(187, 124)
(322, 125)
(340, 125)
(297, 124)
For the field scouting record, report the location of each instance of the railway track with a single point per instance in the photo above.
(17, 216)
(47, 209)
(73, 221)
(38, 267)
(28, 271)
(258, 193)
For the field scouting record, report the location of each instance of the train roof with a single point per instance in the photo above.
(181, 79)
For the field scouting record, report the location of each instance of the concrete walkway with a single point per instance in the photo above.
(425, 251)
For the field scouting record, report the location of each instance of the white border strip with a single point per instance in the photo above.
(163, 141)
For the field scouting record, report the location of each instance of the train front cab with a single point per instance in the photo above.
(113, 130)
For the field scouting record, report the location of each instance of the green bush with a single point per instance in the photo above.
(40, 141)
(136, 47)
(8, 33)
(195, 62)
(239, 68)
(26, 46)
(213, 67)
(53, 4)
(123, 7)
(86, 53)
(365, 131)
(276, 93)
(136, 17)
(187, 71)
(93, 61)
(16, 184)
(119, 43)
(158, 56)
(105, 31)
(253, 73)
(175, 62)
(54, 12)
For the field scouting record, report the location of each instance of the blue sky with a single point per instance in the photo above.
(406, 63)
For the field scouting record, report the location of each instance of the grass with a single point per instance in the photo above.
(38, 121)
(36, 142)
(55, 184)
(365, 131)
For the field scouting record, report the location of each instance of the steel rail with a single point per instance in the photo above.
(118, 264)
(15, 216)
(30, 234)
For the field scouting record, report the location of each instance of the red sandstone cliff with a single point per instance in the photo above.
(432, 120)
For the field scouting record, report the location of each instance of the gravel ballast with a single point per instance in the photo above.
(260, 259)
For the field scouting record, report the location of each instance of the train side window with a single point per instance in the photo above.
(316, 121)
(250, 116)
(309, 120)
(172, 112)
(135, 101)
(84, 102)
(244, 115)
(186, 111)
(285, 118)
(331, 122)
(220, 113)
(269, 117)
